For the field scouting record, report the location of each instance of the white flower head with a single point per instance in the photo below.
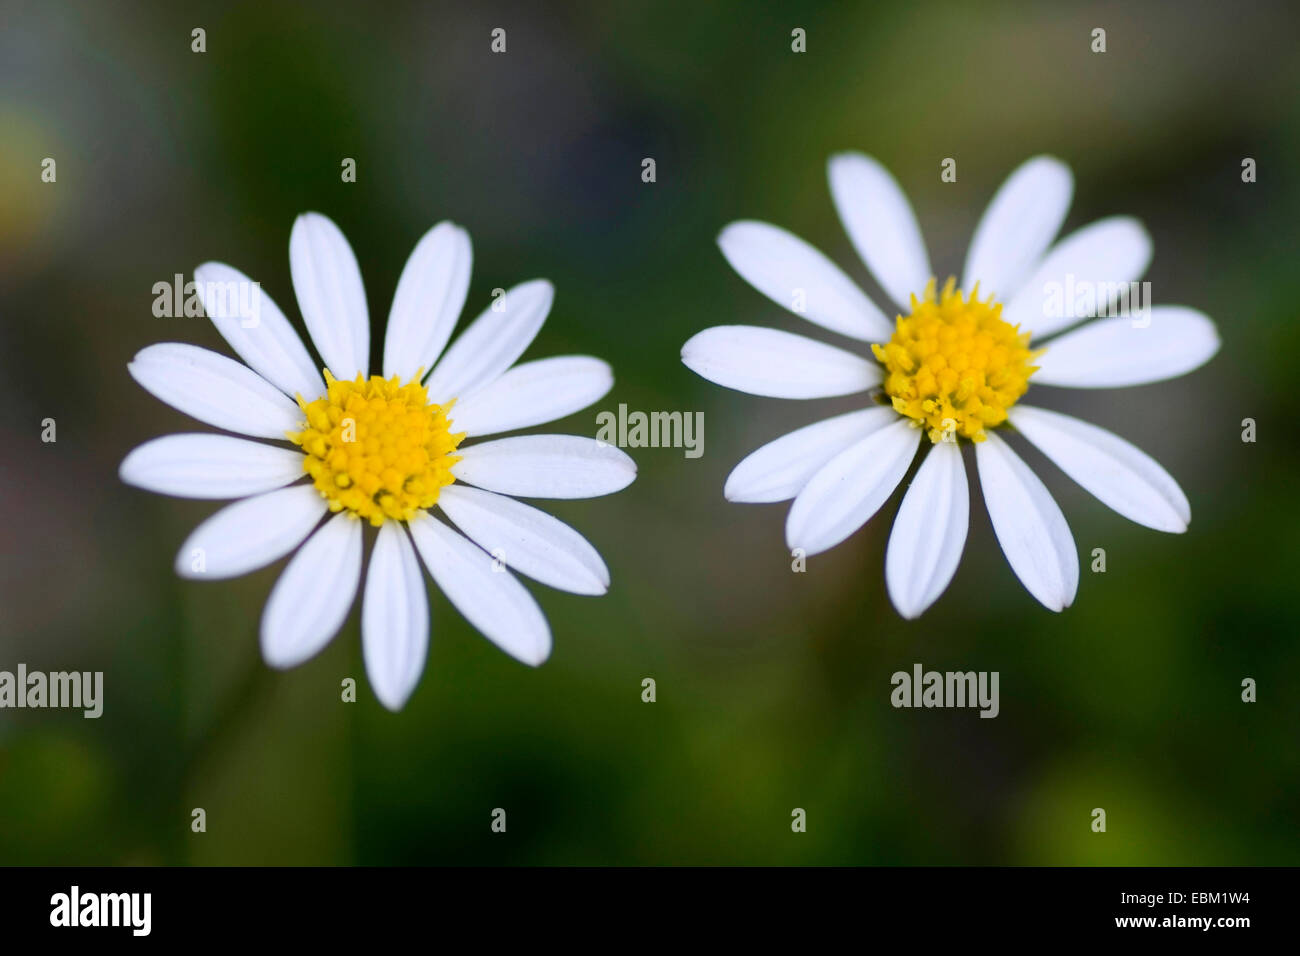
(386, 450)
(950, 371)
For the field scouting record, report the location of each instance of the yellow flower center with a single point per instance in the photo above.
(377, 447)
(953, 366)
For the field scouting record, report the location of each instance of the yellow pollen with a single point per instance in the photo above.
(377, 447)
(953, 366)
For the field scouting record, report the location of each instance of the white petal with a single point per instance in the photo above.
(798, 277)
(929, 532)
(534, 393)
(776, 364)
(209, 466)
(490, 599)
(546, 466)
(492, 343)
(880, 221)
(311, 599)
(528, 540)
(259, 334)
(1171, 340)
(1018, 226)
(778, 470)
(394, 618)
(850, 488)
(429, 297)
(1103, 258)
(250, 534)
(215, 389)
(1029, 525)
(327, 281)
(1120, 475)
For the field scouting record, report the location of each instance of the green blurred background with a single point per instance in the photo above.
(773, 687)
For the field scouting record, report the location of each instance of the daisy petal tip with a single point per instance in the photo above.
(731, 232)
(908, 613)
(273, 657)
(901, 606)
(203, 268)
(1176, 521)
(542, 291)
(624, 467)
(531, 655)
(1216, 341)
(392, 701)
(184, 565)
(274, 654)
(740, 490)
(1193, 318)
(909, 600)
(128, 471)
(144, 355)
(843, 163)
(393, 691)
(1067, 598)
(1053, 162)
(596, 583)
(595, 586)
(1052, 601)
(541, 653)
(542, 288)
(845, 156)
(796, 539)
(627, 464)
(909, 607)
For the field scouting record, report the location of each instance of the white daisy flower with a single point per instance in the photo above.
(953, 366)
(387, 449)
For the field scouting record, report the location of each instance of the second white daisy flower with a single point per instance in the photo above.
(952, 369)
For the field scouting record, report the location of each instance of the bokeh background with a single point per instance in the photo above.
(773, 687)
